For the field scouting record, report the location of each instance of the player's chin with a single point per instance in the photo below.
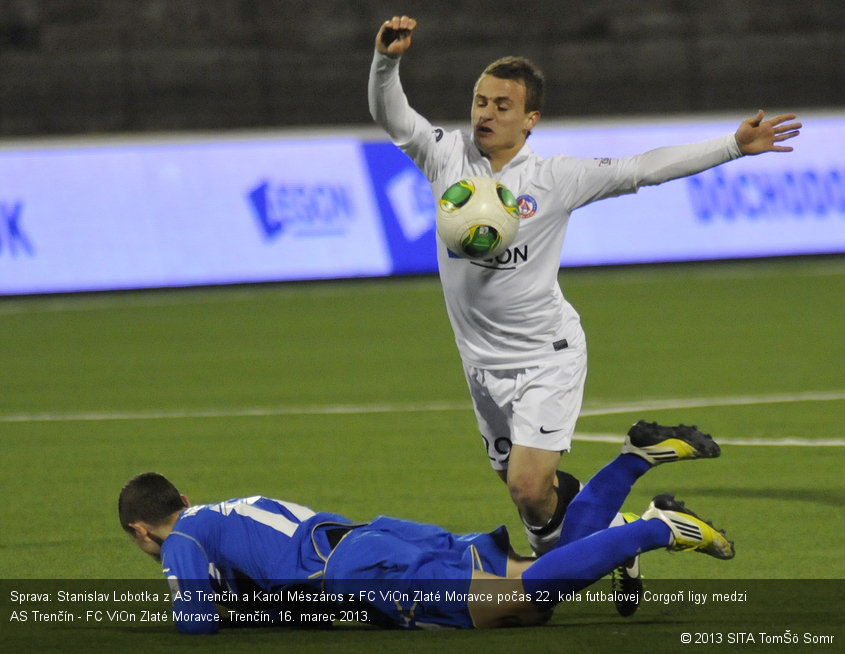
(483, 138)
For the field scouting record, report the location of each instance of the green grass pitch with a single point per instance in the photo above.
(348, 396)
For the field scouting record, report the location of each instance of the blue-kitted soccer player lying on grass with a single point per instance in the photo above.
(257, 556)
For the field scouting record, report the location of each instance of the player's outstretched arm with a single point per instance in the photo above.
(756, 135)
(394, 36)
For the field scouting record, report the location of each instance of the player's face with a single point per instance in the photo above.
(499, 120)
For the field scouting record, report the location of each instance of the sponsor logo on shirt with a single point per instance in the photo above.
(527, 206)
(507, 260)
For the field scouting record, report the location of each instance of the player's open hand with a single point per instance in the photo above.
(756, 135)
(394, 36)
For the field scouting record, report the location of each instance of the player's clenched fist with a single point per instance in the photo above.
(394, 36)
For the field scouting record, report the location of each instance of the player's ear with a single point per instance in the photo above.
(140, 529)
(531, 120)
(185, 501)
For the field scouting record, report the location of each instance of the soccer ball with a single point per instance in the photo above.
(477, 218)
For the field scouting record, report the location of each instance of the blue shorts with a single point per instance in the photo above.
(415, 575)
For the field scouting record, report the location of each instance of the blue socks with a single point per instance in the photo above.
(588, 549)
(602, 497)
(574, 566)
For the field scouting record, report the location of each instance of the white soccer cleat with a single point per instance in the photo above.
(689, 532)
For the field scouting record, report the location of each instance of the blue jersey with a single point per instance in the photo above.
(252, 555)
(232, 551)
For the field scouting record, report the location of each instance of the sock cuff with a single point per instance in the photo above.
(567, 488)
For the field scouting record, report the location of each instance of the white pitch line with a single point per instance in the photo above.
(698, 402)
(427, 407)
(340, 409)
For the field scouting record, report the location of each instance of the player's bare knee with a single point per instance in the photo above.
(530, 494)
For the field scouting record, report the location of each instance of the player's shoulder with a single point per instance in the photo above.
(428, 137)
(196, 518)
(439, 136)
(192, 519)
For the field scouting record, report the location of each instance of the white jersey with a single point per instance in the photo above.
(509, 312)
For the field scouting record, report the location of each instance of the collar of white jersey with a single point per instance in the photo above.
(520, 157)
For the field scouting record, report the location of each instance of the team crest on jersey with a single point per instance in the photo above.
(527, 206)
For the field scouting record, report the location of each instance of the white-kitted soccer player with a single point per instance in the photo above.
(521, 342)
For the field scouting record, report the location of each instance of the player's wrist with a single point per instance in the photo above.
(735, 147)
(384, 54)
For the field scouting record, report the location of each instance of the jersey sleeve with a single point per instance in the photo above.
(186, 567)
(588, 180)
(389, 106)
(409, 130)
(662, 164)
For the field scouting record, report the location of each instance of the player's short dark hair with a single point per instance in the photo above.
(524, 70)
(148, 497)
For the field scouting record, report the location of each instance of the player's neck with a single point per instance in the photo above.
(163, 531)
(500, 158)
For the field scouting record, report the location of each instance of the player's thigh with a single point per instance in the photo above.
(492, 393)
(549, 401)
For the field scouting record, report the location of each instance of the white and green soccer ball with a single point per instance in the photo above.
(477, 218)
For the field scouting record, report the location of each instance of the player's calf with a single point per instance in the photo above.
(544, 538)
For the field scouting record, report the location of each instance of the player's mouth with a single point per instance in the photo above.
(483, 130)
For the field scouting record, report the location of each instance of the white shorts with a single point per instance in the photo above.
(534, 407)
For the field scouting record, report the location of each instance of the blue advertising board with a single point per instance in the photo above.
(286, 206)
